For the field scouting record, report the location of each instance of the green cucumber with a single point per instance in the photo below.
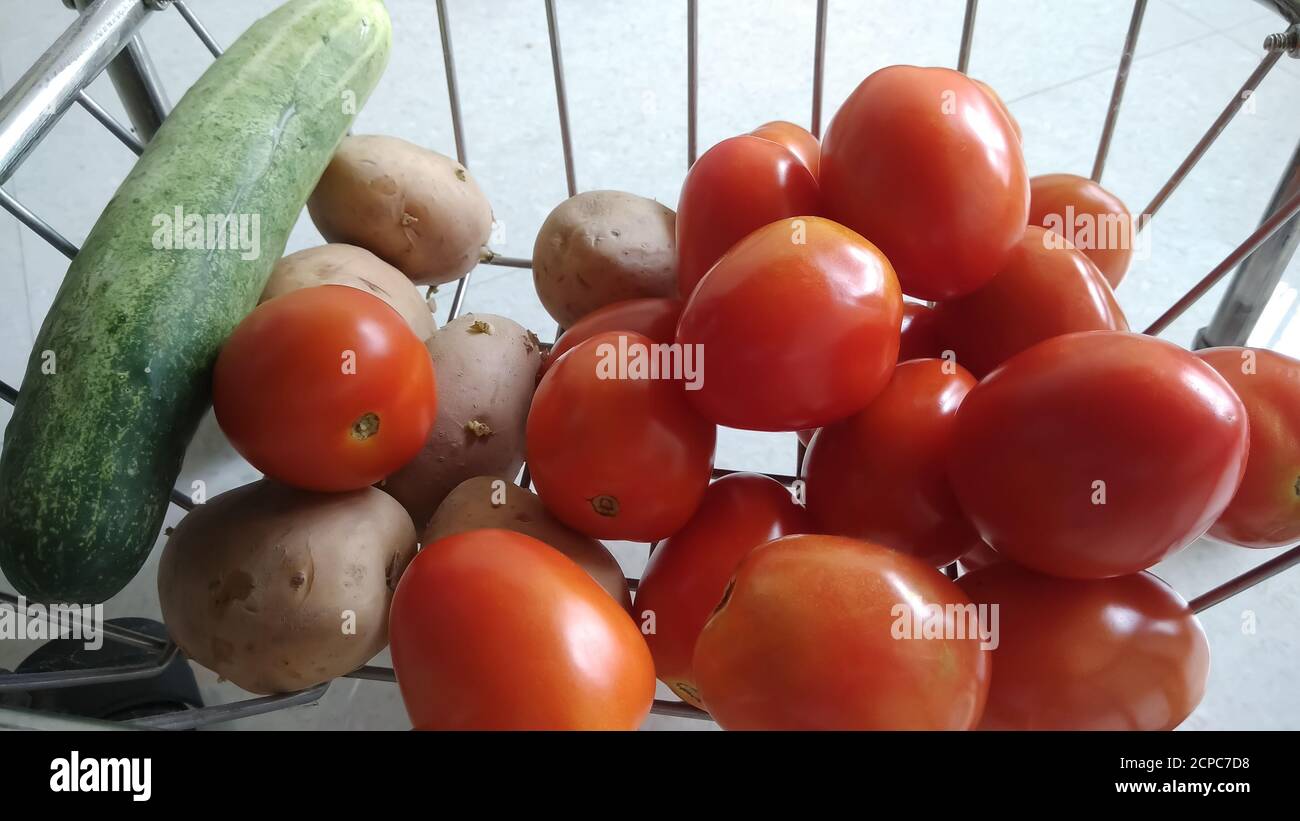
(120, 372)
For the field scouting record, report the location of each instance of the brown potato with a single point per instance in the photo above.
(340, 264)
(414, 208)
(483, 503)
(601, 247)
(279, 589)
(486, 368)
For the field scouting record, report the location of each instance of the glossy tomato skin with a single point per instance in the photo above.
(794, 334)
(1095, 220)
(1002, 106)
(808, 639)
(495, 630)
(616, 458)
(919, 334)
(737, 186)
(655, 317)
(325, 388)
(1265, 512)
(1045, 289)
(882, 474)
(1124, 653)
(688, 572)
(796, 138)
(1097, 454)
(923, 163)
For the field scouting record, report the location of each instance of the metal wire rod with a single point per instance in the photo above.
(40, 226)
(208, 39)
(182, 501)
(819, 67)
(1245, 581)
(453, 89)
(61, 679)
(35, 103)
(371, 672)
(508, 262)
(203, 716)
(967, 35)
(692, 78)
(783, 478)
(1216, 128)
(561, 95)
(457, 131)
(112, 632)
(680, 709)
(105, 119)
(8, 392)
(1117, 93)
(660, 706)
(458, 298)
(1245, 249)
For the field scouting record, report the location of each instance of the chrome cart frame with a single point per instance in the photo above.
(104, 36)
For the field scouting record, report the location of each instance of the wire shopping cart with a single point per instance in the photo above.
(105, 37)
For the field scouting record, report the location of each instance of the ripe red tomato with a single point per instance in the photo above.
(1093, 219)
(1097, 654)
(882, 474)
(616, 454)
(1097, 454)
(655, 317)
(919, 334)
(738, 185)
(796, 138)
(997, 100)
(325, 388)
(1046, 289)
(798, 325)
(495, 630)
(810, 636)
(1266, 510)
(687, 573)
(923, 163)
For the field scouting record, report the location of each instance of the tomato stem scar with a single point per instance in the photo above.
(604, 505)
(365, 427)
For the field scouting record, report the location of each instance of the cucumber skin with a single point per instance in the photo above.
(93, 450)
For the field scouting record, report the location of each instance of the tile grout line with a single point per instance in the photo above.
(1184, 12)
(1111, 67)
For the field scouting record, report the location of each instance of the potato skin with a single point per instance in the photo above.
(600, 247)
(342, 264)
(487, 371)
(254, 583)
(414, 208)
(476, 504)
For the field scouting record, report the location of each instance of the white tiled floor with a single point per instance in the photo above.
(625, 65)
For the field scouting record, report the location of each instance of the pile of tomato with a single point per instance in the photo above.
(1004, 416)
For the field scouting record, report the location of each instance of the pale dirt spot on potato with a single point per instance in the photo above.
(235, 587)
(384, 184)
